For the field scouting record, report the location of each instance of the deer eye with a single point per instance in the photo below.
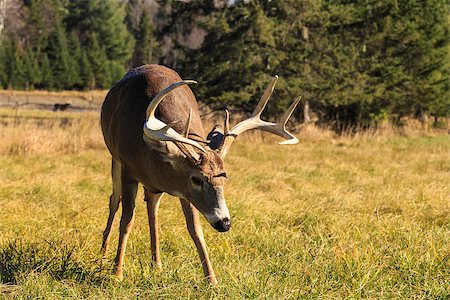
(197, 181)
(223, 174)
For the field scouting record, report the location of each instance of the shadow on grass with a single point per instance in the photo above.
(60, 261)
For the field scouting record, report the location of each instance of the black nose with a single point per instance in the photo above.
(222, 225)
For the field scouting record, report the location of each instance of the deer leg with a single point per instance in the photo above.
(114, 201)
(153, 201)
(129, 189)
(195, 230)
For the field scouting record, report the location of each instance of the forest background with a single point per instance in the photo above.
(357, 64)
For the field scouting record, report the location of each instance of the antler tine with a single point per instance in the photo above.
(283, 121)
(280, 128)
(289, 111)
(226, 125)
(264, 98)
(255, 122)
(187, 125)
(155, 129)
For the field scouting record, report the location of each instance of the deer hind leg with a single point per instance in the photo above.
(114, 202)
(153, 201)
(195, 230)
(129, 189)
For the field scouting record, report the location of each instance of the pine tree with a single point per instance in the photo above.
(426, 58)
(58, 54)
(41, 15)
(3, 64)
(47, 81)
(8, 55)
(239, 55)
(18, 71)
(86, 72)
(75, 60)
(115, 71)
(106, 22)
(32, 71)
(355, 62)
(99, 63)
(143, 49)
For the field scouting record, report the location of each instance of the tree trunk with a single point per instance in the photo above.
(306, 113)
(3, 4)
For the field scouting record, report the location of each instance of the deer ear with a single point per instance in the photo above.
(170, 152)
(172, 149)
(167, 151)
(215, 137)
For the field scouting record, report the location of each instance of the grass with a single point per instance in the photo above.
(331, 217)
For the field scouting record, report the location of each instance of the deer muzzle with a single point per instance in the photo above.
(222, 225)
(219, 217)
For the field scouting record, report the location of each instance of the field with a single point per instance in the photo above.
(78, 100)
(332, 217)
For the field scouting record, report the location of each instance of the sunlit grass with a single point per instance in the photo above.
(39, 132)
(327, 218)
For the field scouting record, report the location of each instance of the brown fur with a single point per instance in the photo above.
(160, 167)
(211, 163)
(124, 114)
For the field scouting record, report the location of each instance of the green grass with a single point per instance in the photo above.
(352, 218)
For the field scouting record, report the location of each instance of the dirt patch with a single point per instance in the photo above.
(56, 101)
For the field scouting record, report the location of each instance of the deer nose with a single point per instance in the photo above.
(222, 225)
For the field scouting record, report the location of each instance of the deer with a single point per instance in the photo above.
(152, 127)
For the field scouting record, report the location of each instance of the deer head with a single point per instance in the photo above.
(200, 171)
(200, 168)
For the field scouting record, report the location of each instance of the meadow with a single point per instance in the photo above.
(348, 217)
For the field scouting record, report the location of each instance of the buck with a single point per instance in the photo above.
(152, 127)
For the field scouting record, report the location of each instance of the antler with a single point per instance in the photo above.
(187, 126)
(157, 130)
(255, 122)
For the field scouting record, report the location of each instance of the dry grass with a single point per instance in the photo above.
(41, 132)
(332, 217)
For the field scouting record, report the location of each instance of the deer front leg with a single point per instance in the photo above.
(195, 230)
(153, 201)
(114, 201)
(129, 189)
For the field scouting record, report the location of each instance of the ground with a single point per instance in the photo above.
(331, 217)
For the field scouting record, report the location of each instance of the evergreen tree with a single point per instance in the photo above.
(32, 71)
(4, 79)
(58, 54)
(143, 49)
(86, 72)
(41, 15)
(425, 40)
(240, 54)
(7, 55)
(48, 81)
(75, 60)
(115, 71)
(99, 63)
(356, 62)
(106, 22)
(17, 76)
